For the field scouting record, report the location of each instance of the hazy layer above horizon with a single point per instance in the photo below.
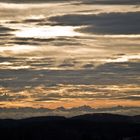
(69, 53)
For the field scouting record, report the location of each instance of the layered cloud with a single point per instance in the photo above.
(69, 54)
(111, 81)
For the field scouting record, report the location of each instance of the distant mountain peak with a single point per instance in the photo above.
(61, 108)
(82, 108)
(104, 117)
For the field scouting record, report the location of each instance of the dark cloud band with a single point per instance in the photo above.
(104, 23)
(82, 1)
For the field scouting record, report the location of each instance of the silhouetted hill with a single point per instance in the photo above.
(85, 127)
(136, 118)
(104, 117)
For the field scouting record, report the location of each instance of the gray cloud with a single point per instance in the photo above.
(57, 41)
(5, 34)
(26, 21)
(9, 59)
(107, 74)
(68, 63)
(5, 29)
(32, 1)
(46, 99)
(6, 97)
(104, 23)
(88, 66)
(110, 2)
(134, 98)
(82, 1)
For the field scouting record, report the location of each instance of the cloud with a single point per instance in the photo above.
(32, 1)
(4, 30)
(45, 99)
(5, 97)
(88, 66)
(8, 97)
(70, 61)
(104, 23)
(131, 97)
(30, 20)
(107, 74)
(7, 59)
(57, 41)
(81, 1)
(5, 34)
(110, 2)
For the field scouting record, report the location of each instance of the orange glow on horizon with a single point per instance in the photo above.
(72, 103)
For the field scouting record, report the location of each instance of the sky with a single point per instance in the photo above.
(69, 53)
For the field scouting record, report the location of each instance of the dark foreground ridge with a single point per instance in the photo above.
(84, 127)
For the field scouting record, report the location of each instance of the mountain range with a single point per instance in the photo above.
(26, 112)
(99, 126)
